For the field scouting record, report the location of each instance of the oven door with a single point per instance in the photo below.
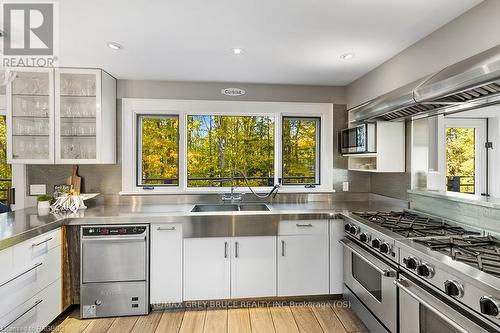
(114, 259)
(372, 281)
(421, 312)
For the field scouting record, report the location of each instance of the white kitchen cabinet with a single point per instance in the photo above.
(390, 154)
(85, 116)
(207, 268)
(336, 256)
(30, 116)
(30, 286)
(37, 312)
(166, 263)
(62, 116)
(303, 266)
(253, 266)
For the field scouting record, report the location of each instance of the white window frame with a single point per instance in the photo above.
(134, 107)
(480, 139)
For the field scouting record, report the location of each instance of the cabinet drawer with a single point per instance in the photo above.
(306, 227)
(31, 251)
(24, 283)
(6, 262)
(36, 313)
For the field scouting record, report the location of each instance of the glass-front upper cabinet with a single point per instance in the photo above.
(85, 112)
(62, 116)
(30, 116)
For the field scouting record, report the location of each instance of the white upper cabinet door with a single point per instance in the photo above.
(253, 267)
(207, 269)
(166, 263)
(30, 117)
(303, 265)
(85, 116)
(336, 256)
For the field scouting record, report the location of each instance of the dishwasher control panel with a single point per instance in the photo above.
(114, 230)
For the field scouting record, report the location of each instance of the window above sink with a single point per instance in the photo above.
(193, 147)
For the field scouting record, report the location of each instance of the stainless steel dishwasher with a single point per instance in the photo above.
(114, 279)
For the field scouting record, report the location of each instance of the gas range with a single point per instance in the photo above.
(455, 262)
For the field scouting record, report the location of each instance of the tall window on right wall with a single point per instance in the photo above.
(300, 150)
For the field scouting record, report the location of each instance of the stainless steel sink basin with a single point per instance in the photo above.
(230, 208)
(254, 207)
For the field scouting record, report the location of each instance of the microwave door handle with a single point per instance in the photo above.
(400, 284)
(362, 256)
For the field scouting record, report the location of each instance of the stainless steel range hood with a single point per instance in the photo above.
(468, 84)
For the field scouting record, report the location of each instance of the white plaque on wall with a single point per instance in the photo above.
(233, 92)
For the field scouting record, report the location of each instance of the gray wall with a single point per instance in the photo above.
(473, 32)
(211, 91)
(106, 179)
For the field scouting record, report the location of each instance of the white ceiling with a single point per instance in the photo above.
(284, 41)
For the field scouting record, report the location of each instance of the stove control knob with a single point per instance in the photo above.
(453, 288)
(411, 262)
(364, 237)
(376, 243)
(354, 230)
(490, 306)
(347, 227)
(425, 270)
(385, 247)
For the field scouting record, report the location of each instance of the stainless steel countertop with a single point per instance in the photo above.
(24, 224)
(476, 200)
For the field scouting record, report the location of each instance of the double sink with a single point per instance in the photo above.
(250, 207)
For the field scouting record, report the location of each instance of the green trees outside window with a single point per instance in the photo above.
(218, 145)
(301, 150)
(159, 150)
(461, 159)
(5, 169)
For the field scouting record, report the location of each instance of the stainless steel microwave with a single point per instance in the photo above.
(359, 139)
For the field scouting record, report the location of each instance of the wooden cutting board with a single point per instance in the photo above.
(74, 180)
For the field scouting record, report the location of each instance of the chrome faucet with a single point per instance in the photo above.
(232, 197)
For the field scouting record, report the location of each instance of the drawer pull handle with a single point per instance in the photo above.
(42, 242)
(165, 229)
(225, 249)
(309, 225)
(22, 314)
(282, 248)
(21, 274)
(236, 250)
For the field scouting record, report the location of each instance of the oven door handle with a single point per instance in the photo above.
(400, 284)
(362, 254)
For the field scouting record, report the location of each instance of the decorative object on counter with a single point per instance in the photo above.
(68, 203)
(74, 180)
(44, 204)
(61, 189)
(71, 202)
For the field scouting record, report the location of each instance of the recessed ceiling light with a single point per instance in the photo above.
(115, 46)
(237, 51)
(347, 56)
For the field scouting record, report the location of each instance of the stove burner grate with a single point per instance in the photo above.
(480, 252)
(413, 225)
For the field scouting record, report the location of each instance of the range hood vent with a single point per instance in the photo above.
(468, 84)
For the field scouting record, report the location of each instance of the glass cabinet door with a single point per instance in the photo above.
(77, 114)
(31, 116)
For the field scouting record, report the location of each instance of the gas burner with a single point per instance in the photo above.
(412, 225)
(480, 252)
